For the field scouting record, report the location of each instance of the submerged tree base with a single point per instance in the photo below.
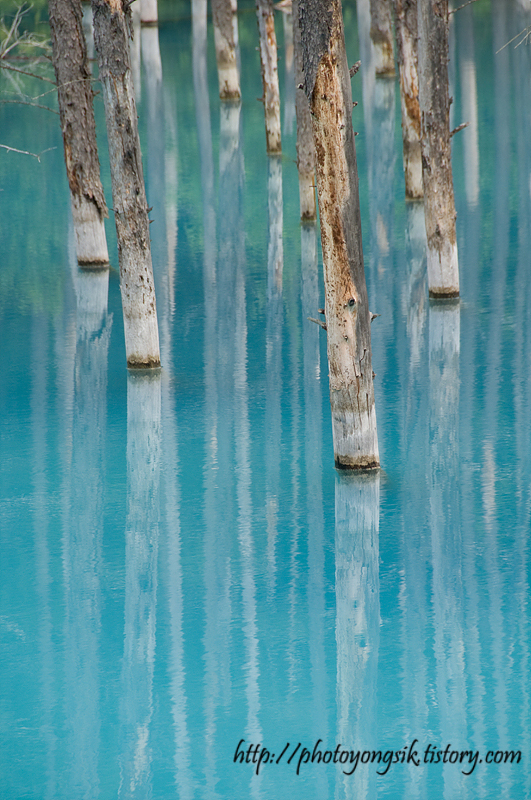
(149, 364)
(356, 467)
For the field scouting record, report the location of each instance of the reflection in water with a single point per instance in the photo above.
(280, 640)
(39, 430)
(141, 550)
(275, 264)
(83, 529)
(446, 544)
(414, 544)
(357, 622)
(313, 447)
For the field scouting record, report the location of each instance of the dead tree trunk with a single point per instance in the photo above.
(382, 37)
(406, 39)
(149, 12)
(75, 96)
(305, 148)
(228, 77)
(439, 205)
(111, 34)
(327, 86)
(268, 59)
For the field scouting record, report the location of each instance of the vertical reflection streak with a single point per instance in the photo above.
(313, 426)
(357, 511)
(141, 550)
(39, 428)
(447, 578)
(274, 325)
(83, 535)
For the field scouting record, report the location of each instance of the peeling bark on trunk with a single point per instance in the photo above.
(305, 146)
(76, 111)
(111, 34)
(406, 39)
(382, 37)
(228, 76)
(327, 86)
(439, 205)
(149, 12)
(268, 59)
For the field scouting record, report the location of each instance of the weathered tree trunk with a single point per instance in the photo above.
(129, 195)
(439, 205)
(149, 12)
(305, 147)
(268, 58)
(406, 38)
(327, 86)
(382, 37)
(75, 95)
(289, 85)
(228, 75)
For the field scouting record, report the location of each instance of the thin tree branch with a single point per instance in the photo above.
(24, 72)
(453, 10)
(34, 105)
(26, 152)
(459, 128)
(525, 31)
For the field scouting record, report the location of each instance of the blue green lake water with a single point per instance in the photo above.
(182, 568)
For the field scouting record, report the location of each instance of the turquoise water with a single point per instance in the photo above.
(182, 567)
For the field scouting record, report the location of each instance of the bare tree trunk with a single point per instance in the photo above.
(129, 195)
(406, 38)
(149, 12)
(439, 205)
(75, 95)
(327, 86)
(305, 147)
(268, 58)
(382, 37)
(228, 75)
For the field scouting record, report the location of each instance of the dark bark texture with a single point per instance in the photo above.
(327, 86)
(222, 18)
(407, 57)
(382, 36)
(75, 96)
(305, 147)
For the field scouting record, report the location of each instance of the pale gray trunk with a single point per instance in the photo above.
(149, 13)
(268, 59)
(129, 195)
(469, 102)
(226, 56)
(382, 37)
(289, 86)
(439, 205)
(406, 39)
(327, 85)
(305, 146)
(76, 112)
(135, 50)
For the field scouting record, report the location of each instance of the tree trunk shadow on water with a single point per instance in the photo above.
(357, 513)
